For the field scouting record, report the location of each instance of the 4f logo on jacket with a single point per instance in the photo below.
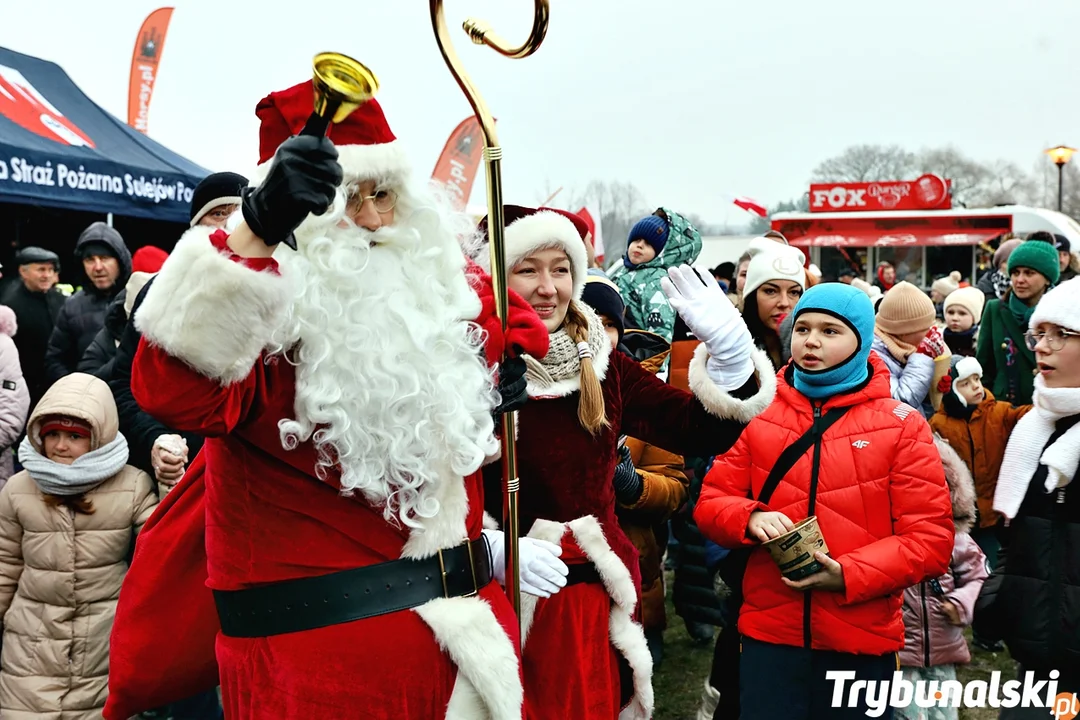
(860, 444)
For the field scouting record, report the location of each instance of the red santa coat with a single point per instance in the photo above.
(575, 641)
(200, 369)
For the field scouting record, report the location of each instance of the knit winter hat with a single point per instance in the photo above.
(603, 296)
(971, 299)
(653, 230)
(1059, 306)
(905, 309)
(63, 423)
(1038, 255)
(770, 260)
(852, 307)
(215, 190)
(948, 284)
(1005, 250)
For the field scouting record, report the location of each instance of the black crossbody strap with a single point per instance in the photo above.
(796, 450)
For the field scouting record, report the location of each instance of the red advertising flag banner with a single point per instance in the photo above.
(460, 159)
(149, 45)
(929, 192)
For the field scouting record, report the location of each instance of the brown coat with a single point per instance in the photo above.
(665, 491)
(980, 442)
(60, 572)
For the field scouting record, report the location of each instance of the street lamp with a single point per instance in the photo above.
(1060, 155)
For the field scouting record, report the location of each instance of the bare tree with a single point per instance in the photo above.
(1006, 184)
(969, 178)
(1045, 182)
(867, 163)
(620, 205)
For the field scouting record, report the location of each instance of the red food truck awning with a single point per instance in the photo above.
(929, 229)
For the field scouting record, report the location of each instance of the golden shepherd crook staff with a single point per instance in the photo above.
(481, 34)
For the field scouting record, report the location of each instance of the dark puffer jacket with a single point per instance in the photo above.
(140, 429)
(84, 312)
(98, 358)
(1032, 601)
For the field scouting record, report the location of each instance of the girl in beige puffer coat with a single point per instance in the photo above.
(67, 523)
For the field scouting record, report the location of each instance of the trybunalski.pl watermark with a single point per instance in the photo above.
(878, 696)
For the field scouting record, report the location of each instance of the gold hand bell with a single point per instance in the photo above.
(341, 85)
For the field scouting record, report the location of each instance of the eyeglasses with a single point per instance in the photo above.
(1055, 338)
(384, 201)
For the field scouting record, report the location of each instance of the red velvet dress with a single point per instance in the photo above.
(268, 519)
(576, 640)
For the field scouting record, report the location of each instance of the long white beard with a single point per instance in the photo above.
(390, 379)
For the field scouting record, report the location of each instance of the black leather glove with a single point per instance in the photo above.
(303, 177)
(628, 483)
(512, 386)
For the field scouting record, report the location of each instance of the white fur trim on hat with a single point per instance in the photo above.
(539, 231)
(779, 262)
(216, 202)
(1059, 306)
(383, 163)
(966, 367)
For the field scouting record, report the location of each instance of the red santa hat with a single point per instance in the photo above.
(367, 148)
(529, 230)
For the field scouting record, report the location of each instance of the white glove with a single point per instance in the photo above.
(717, 323)
(542, 572)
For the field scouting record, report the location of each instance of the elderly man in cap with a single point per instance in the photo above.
(36, 301)
(107, 264)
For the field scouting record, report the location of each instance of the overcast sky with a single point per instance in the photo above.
(688, 99)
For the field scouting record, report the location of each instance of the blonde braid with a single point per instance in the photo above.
(591, 403)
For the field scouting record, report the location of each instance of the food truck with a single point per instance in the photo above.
(910, 224)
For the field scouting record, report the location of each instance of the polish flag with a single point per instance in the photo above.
(748, 204)
(591, 218)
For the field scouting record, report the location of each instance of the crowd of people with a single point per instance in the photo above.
(292, 417)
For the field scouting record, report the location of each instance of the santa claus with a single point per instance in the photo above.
(347, 404)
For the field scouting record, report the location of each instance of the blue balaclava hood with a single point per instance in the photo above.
(852, 307)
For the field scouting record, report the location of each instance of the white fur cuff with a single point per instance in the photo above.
(723, 405)
(210, 311)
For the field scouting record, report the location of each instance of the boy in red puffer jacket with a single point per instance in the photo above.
(875, 482)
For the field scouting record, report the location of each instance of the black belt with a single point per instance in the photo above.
(582, 573)
(341, 597)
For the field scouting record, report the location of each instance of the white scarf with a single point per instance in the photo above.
(81, 476)
(1025, 452)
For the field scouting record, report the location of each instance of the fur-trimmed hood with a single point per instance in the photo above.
(961, 486)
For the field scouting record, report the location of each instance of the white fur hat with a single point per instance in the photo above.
(529, 230)
(769, 260)
(964, 368)
(1059, 306)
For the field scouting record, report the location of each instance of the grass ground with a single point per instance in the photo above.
(679, 679)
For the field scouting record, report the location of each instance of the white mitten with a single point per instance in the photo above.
(542, 572)
(712, 318)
